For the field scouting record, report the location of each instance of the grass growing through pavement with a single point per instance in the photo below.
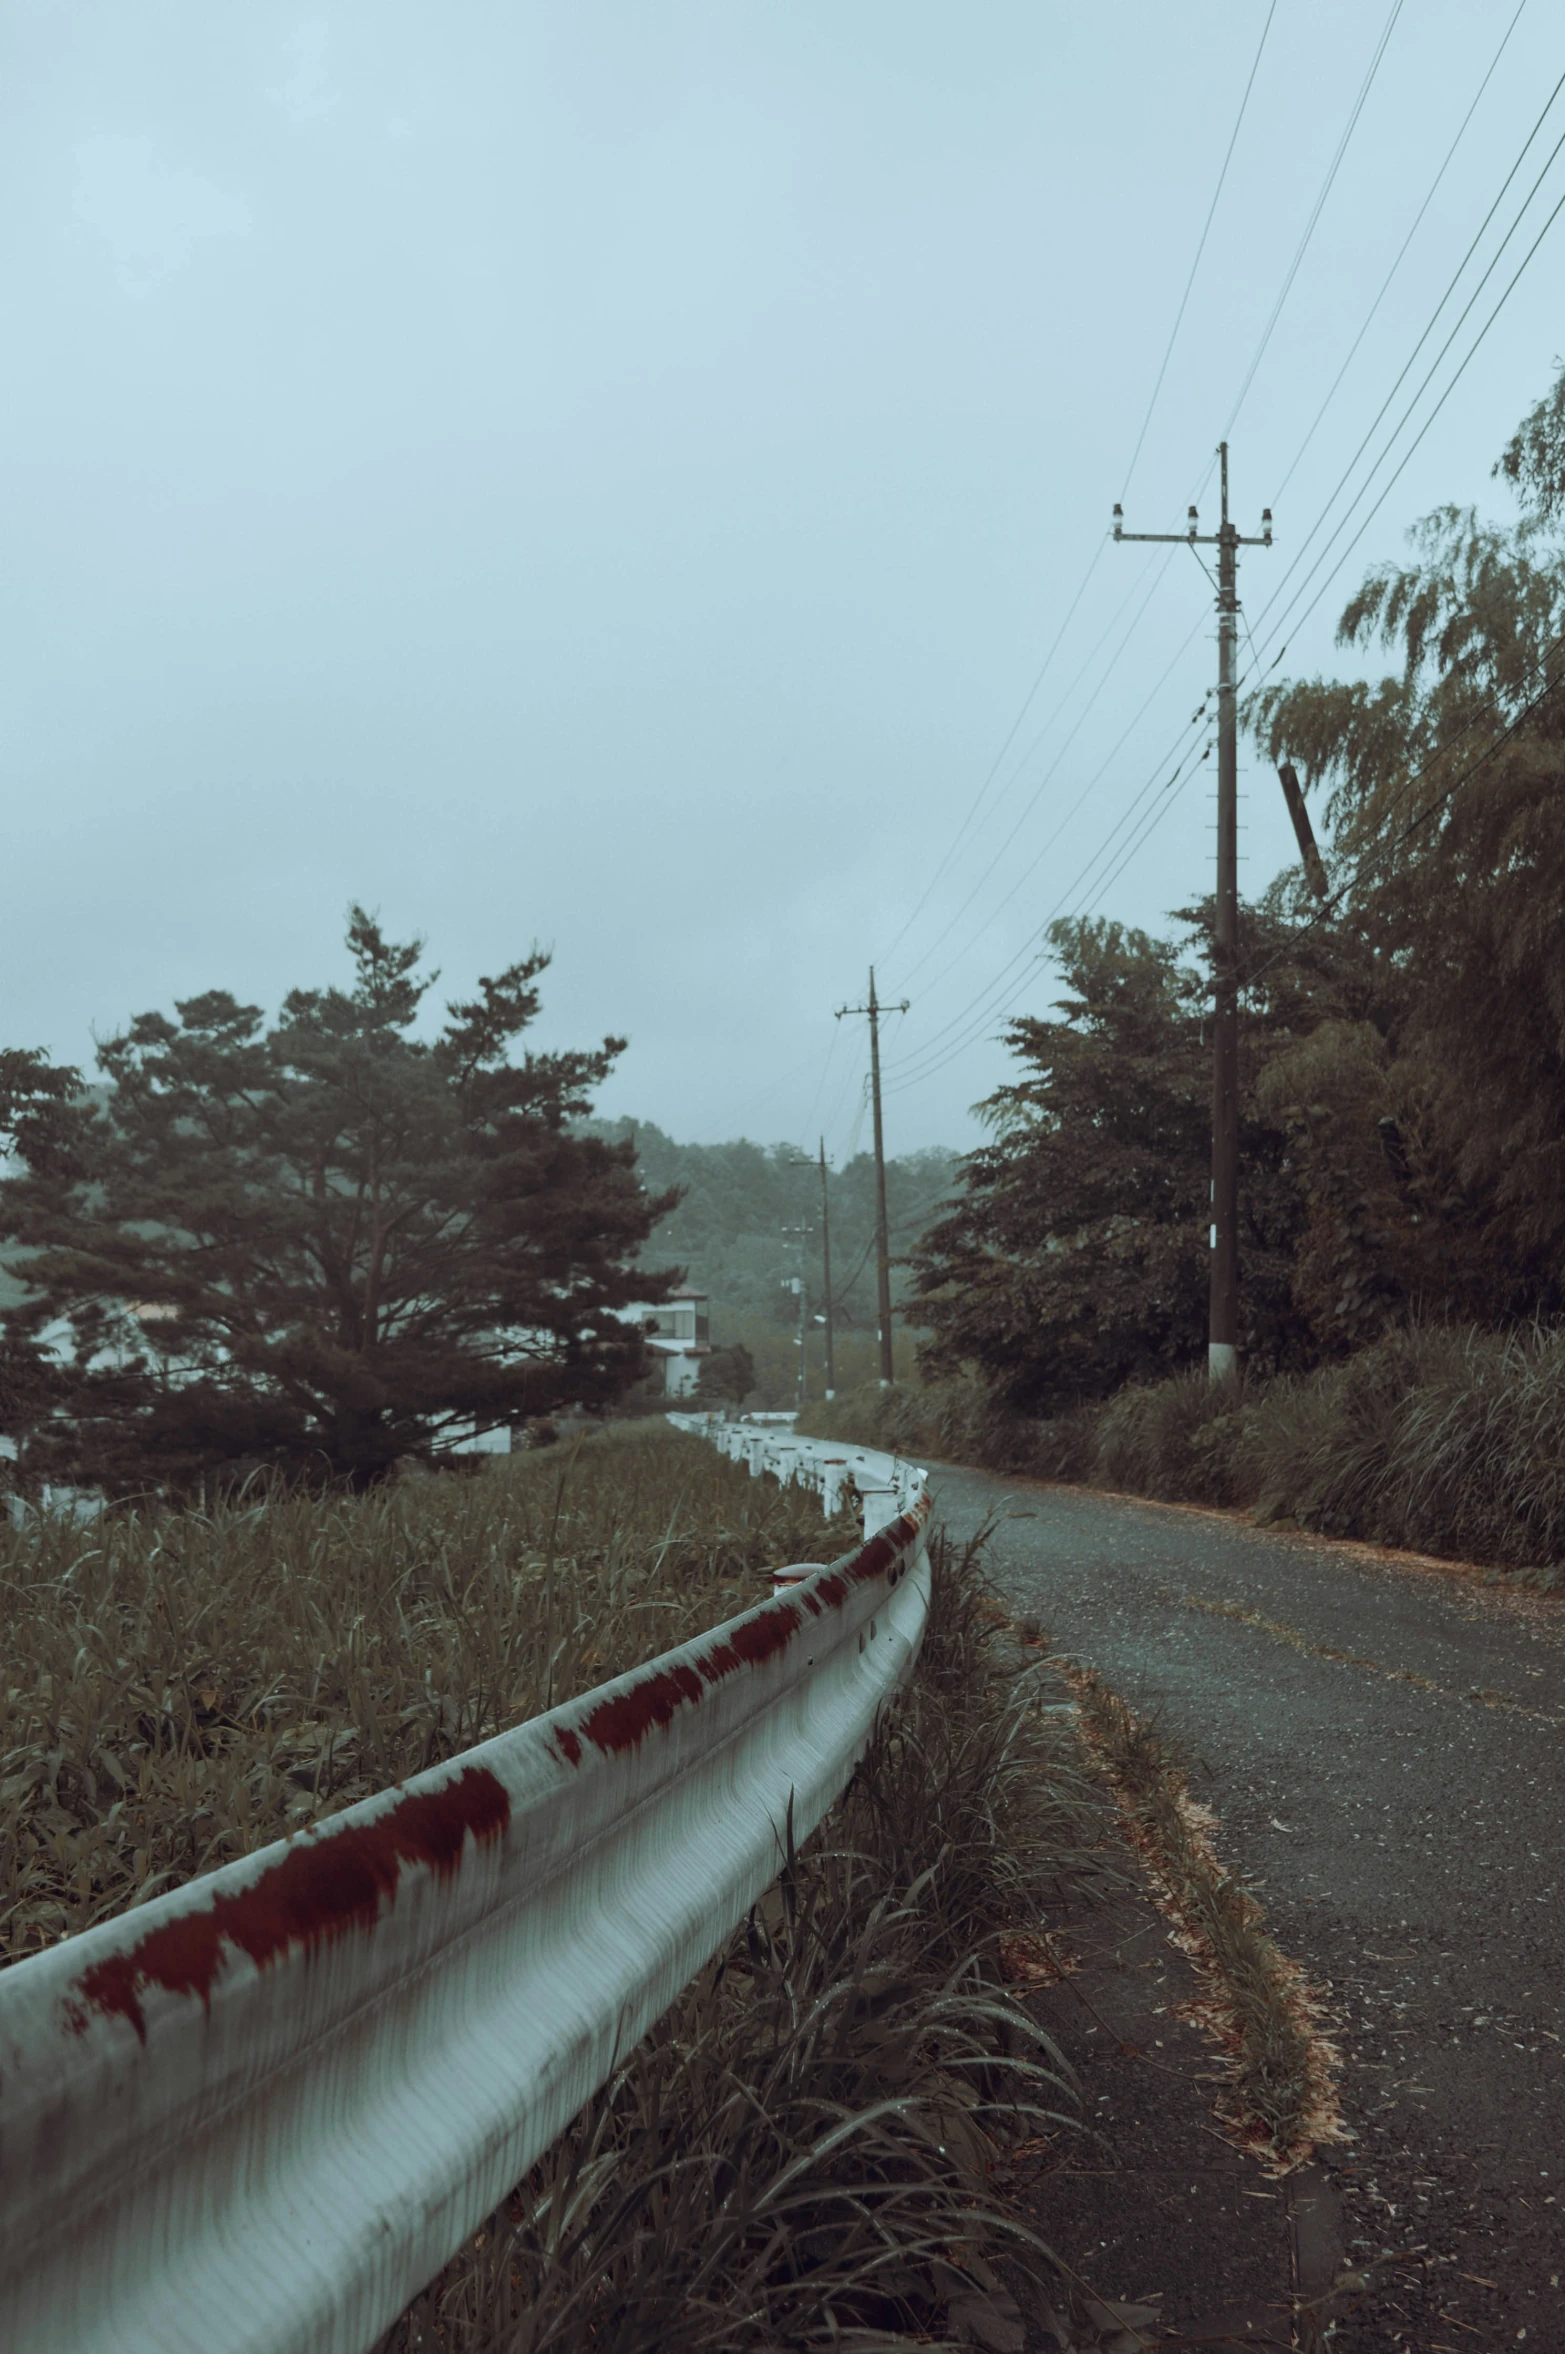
(811, 2149)
(181, 1688)
(1280, 2100)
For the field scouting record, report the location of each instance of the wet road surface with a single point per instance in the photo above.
(1400, 1811)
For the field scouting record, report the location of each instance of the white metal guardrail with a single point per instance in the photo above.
(256, 2115)
(885, 1484)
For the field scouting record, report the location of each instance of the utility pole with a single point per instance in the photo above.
(875, 1009)
(1222, 1355)
(795, 1284)
(831, 1369)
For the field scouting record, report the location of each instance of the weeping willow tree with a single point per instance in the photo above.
(1431, 1135)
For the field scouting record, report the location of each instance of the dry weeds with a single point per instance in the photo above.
(184, 1687)
(813, 2149)
(1280, 2101)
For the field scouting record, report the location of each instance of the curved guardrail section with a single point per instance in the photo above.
(255, 2116)
(884, 1484)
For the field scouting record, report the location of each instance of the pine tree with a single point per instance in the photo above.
(322, 1246)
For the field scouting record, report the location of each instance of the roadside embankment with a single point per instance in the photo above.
(183, 1687)
(828, 2139)
(1438, 1439)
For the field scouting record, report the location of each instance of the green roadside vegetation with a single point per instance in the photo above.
(1438, 1439)
(839, 2135)
(1402, 1117)
(183, 1687)
(828, 2139)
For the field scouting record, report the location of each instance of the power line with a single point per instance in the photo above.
(1315, 213)
(950, 925)
(1407, 365)
(1010, 738)
(1421, 817)
(1149, 825)
(986, 1007)
(1401, 254)
(1200, 249)
(986, 1004)
(1026, 873)
(923, 1067)
(983, 791)
(1413, 445)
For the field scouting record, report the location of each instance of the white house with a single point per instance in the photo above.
(679, 1332)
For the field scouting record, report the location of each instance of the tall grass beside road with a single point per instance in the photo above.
(814, 2148)
(181, 1688)
(1440, 1438)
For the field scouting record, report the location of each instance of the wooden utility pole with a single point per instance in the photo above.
(798, 1235)
(875, 1009)
(831, 1366)
(1222, 1355)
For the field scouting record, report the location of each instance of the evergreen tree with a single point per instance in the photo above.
(324, 1245)
(1076, 1258)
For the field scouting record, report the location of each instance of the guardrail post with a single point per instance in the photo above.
(881, 1503)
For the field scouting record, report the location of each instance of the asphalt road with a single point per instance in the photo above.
(1400, 1812)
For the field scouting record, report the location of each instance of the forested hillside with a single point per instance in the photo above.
(750, 1221)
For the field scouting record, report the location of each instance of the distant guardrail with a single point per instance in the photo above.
(885, 1484)
(258, 2114)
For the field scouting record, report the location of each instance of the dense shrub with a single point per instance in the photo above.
(957, 1421)
(1184, 1439)
(1443, 1438)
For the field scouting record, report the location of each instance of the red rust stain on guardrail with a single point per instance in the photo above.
(322, 1889)
(623, 1722)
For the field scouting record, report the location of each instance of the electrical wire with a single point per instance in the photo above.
(1008, 996)
(1401, 254)
(980, 1010)
(1413, 445)
(1406, 368)
(1315, 213)
(1157, 571)
(969, 820)
(1026, 872)
(920, 1067)
(1206, 227)
(820, 1084)
(1329, 907)
(1154, 818)
(1288, 280)
(1148, 825)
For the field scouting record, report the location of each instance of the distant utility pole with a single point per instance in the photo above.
(875, 1009)
(1222, 1354)
(795, 1284)
(831, 1368)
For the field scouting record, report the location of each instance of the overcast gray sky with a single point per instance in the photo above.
(610, 474)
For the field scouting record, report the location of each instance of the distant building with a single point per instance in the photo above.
(679, 1332)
